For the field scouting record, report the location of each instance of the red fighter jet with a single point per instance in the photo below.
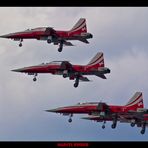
(133, 112)
(65, 68)
(78, 32)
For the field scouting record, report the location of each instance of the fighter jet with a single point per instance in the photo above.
(133, 112)
(95, 67)
(57, 37)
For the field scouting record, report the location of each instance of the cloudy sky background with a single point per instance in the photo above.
(121, 33)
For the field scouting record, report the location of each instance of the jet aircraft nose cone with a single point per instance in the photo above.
(18, 70)
(87, 118)
(51, 110)
(7, 35)
(4, 36)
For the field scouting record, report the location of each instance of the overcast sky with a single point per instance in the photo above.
(120, 33)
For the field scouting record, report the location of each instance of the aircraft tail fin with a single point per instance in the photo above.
(136, 101)
(97, 59)
(80, 26)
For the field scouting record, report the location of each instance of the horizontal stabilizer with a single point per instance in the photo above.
(101, 76)
(83, 40)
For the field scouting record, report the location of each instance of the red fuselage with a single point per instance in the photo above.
(56, 68)
(90, 109)
(41, 34)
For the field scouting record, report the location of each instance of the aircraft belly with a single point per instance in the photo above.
(74, 110)
(58, 73)
(43, 38)
(70, 38)
(41, 70)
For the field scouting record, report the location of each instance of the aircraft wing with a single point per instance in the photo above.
(97, 118)
(123, 117)
(66, 65)
(84, 79)
(126, 117)
(52, 32)
(67, 43)
(101, 76)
